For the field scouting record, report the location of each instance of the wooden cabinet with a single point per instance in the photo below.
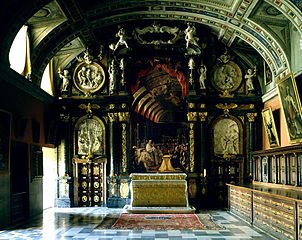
(226, 171)
(240, 203)
(275, 215)
(89, 184)
(276, 211)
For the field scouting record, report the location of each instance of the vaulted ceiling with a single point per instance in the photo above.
(62, 29)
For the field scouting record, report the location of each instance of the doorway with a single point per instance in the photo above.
(50, 170)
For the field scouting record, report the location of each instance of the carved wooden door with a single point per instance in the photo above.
(226, 171)
(90, 183)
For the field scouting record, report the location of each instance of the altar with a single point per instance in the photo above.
(159, 192)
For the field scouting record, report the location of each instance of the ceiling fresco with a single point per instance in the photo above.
(62, 30)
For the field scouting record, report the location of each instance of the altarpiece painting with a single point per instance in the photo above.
(291, 105)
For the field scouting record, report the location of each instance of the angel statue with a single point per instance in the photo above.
(65, 78)
(122, 41)
(249, 78)
(189, 36)
(202, 76)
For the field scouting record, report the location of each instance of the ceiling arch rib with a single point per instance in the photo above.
(270, 51)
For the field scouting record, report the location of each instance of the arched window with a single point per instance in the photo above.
(19, 54)
(47, 79)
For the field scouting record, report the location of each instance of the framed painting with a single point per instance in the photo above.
(270, 127)
(268, 77)
(291, 106)
(5, 136)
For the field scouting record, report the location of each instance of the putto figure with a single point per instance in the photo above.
(249, 78)
(189, 36)
(122, 40)
(202, 76)
(65, 79)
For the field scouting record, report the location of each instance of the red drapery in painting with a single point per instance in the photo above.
(173, 72)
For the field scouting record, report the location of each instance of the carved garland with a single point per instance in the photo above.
(124, 147)
(191, 139)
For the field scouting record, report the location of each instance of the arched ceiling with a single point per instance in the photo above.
(64, 28)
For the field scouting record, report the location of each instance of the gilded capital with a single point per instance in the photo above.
(113, 117)
(192, 116)
(251, 116)
(203, 116)
(123, 116)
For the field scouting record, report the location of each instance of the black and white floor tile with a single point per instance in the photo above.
(80, 224)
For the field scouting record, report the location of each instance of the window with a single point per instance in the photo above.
(17, 53)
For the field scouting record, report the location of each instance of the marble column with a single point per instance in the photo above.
(124, 121)
(113, 119)
(192, 118)
(251, 141)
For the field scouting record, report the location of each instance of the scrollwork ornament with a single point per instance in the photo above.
(251, 117)
(192, 144)
(203, 116)
(192, 116)
(124, 190)
(113, 117)
(124, 147)
(123, 116)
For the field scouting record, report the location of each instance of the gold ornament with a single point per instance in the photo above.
(192, 116)
(226, 107)
(113, 117)
(124, 147)
(123, 116)
(191, 105)
(124, 189)
(191, 139)
(203, 116)
(251, 116)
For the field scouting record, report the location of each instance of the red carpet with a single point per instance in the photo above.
(129, 221)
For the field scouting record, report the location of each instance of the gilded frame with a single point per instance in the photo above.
(270, 127)
(291, 106)
(220, 70)
(92, 83)
(75, 136)
(5, 141)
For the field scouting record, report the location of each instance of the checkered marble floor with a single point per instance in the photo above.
(80, 223)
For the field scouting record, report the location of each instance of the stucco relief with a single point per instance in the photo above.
(90, 137)
(226, 137)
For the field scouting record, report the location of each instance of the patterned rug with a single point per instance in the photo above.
(129, 221)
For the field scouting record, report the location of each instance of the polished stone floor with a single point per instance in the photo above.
(80, 223)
